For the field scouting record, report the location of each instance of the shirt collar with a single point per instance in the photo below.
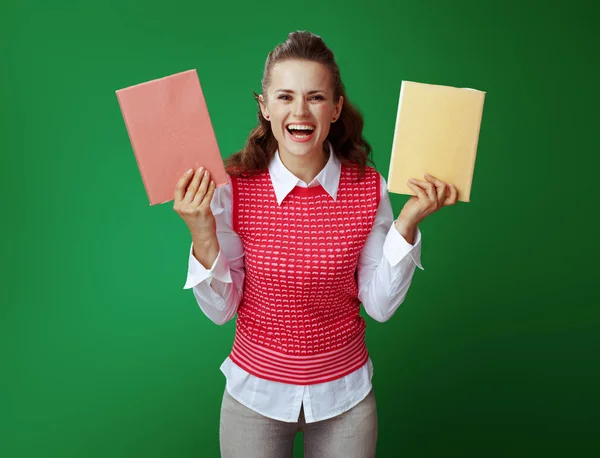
(284, 181)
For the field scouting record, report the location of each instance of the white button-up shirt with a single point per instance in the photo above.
(385, 269)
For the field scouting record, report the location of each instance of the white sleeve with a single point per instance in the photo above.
(219, 290)
(386, 264)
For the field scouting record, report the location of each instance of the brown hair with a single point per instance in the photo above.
(345, 135)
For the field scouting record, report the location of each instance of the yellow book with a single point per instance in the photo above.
(437, 131)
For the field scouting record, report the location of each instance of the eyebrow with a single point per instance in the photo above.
(289, 91)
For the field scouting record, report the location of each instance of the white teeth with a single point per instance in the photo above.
(300, 127)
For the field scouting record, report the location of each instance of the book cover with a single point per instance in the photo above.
(170, 131)
(436, 132)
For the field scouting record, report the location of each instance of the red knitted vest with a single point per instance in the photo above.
(298, 321)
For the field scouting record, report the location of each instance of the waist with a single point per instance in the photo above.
(259, 357)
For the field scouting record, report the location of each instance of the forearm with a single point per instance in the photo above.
(387, 289)
(218, 290)
(385, 270)
(406, 229)
(219, 301)
(205, 249)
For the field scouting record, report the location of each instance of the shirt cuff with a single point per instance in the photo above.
(197, 273)
(396, 248)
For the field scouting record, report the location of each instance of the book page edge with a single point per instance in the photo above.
(475, 146)
(390, 169)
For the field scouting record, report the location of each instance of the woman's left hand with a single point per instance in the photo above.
(431, 195)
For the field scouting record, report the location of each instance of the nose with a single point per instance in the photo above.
(300, 107)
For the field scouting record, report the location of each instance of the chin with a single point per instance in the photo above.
(300, 148)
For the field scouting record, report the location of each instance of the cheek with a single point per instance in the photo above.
(323, 113)
(276, 118)
(277, 132)
(277, 112)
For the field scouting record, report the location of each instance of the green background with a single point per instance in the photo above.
(496, 351)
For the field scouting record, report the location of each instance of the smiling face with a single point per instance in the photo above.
(300, 105)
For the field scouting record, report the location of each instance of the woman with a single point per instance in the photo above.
(299, 238)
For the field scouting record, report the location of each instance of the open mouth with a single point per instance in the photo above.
(301, 132)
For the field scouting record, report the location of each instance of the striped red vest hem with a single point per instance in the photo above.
(295, 369)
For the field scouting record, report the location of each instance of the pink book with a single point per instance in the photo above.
(170, 132)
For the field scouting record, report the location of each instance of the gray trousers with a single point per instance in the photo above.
(247, 434)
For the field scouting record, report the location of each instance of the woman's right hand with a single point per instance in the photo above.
(192, 203)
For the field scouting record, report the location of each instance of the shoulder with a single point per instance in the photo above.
(250, 186)
(371, 172)
(246, 179)
(353, 172)
(240, 176)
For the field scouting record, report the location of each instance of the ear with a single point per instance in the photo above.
(263, 106)
(338, 109)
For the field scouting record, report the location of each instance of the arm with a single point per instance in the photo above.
(218, 289)
(387, 262)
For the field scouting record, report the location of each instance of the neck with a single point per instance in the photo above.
(307, 167)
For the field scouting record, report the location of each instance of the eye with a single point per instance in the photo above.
(317, 97)
(284, 97)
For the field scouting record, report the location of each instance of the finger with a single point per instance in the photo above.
(453, 197)
(428, 187)
(181, 185)
(209, 194)
(202, 189)
(418, 191)
(441, 187)
(436, 181)
(442, 191)
(431, 191)
(193, 187)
